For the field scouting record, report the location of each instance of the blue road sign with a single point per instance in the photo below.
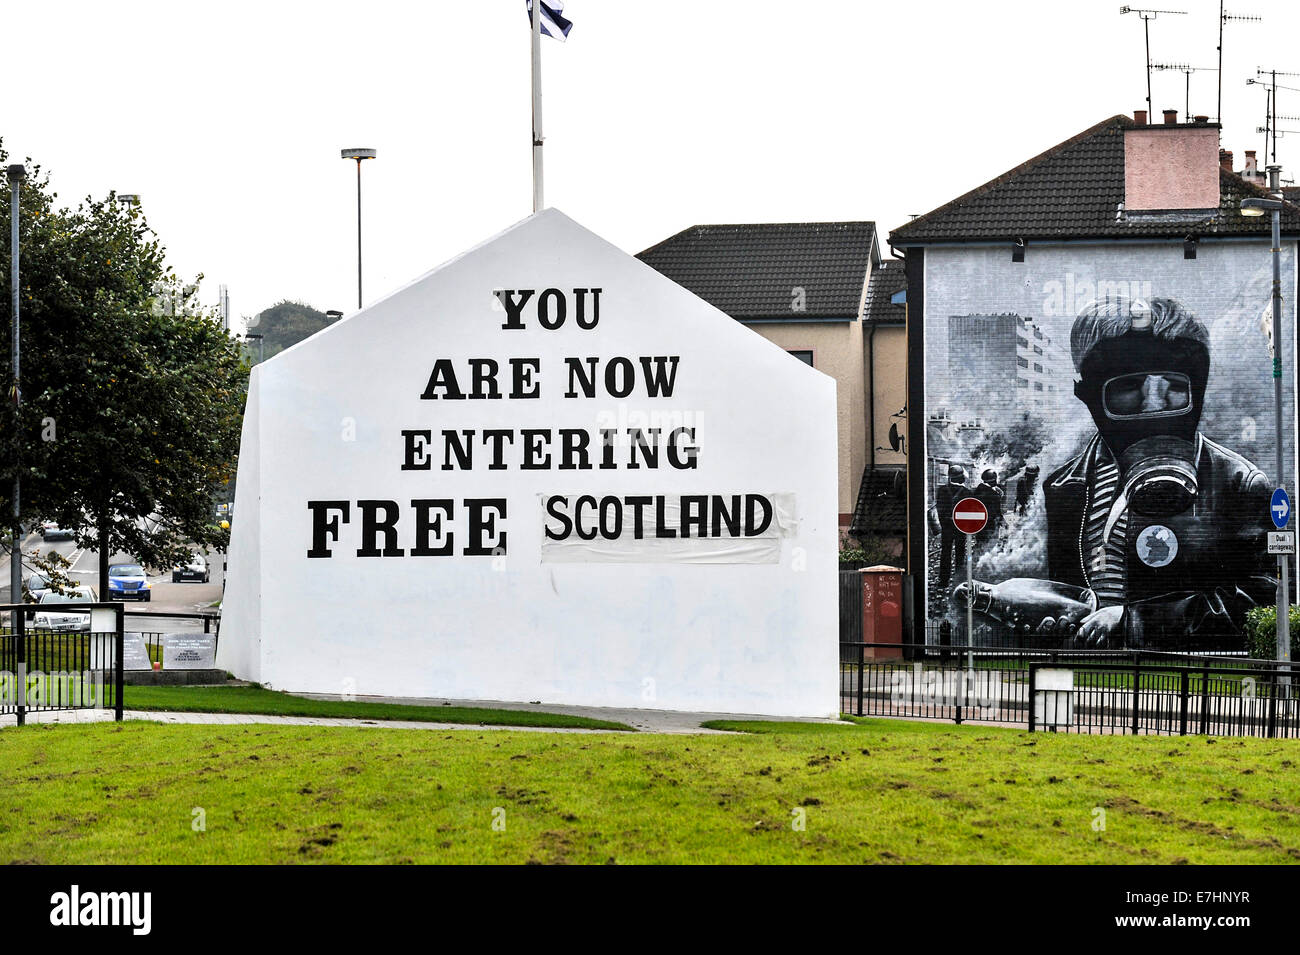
(1280, 508)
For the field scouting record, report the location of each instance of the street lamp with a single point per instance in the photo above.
(359, 155)
(17, 172)
(129, 198)
(1257, 206)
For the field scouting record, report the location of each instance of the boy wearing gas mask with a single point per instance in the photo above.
(1155, 534)
(1163, 526)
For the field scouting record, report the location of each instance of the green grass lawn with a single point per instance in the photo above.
(875, 791)
(255, 699)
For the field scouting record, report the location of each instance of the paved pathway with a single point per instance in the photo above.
(247, 719)
(648, 721)
(652, 721)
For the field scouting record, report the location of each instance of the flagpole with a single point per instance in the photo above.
(538, 202)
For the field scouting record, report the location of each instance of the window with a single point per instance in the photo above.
(1022, 339)
(1038, 368)
(804, 355)
(1022, 362)
(1038, 386)
(1021, 383)
(1038, 333)
(1037, 350)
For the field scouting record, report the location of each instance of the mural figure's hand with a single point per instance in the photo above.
(1101, 628)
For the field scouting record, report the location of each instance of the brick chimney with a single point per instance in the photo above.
(1225, 159)
(1251, 173)
(1140, 117)
(1172, 166)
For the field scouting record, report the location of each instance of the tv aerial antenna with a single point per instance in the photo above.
(1147, 16)
(1271, 117)
(1224, 17)
(1187, 71)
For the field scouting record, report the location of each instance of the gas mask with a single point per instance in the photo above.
(1145, 395)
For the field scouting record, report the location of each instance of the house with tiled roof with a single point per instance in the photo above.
(881, 509)
(817, 290)
(1018, 396)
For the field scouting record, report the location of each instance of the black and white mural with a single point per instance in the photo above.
(1113, 409)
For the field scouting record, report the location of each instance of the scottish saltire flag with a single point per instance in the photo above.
(553, 23)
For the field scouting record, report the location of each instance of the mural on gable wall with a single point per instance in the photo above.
(1113, 408)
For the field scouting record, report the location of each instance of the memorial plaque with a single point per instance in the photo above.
(135, 655)
(189, 651)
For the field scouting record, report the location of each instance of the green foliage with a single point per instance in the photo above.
(871, 550)
(1261, 630)
(53, 566)
(284, 325)
(132, 399)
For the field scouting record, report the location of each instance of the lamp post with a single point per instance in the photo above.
(1257, 207)
(359, 155)
(17, 173)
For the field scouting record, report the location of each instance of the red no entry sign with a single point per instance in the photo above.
(970, 515)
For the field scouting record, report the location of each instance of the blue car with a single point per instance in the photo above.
(128, 582)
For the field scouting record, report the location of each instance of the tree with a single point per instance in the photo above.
(286, 323)
(132, 406)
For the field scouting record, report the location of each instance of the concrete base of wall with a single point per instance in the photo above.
(174, 677)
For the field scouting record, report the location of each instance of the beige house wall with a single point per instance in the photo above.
(838, 351)
(888, 382)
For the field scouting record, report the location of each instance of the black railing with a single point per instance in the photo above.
(1170, 699)
(1108, 691)
(61, 670)
(850, 605)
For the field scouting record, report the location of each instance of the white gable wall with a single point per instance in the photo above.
(239, 642)
(758, 638)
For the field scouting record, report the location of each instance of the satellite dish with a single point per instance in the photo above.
(895, 439)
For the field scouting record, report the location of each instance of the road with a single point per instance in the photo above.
(165, 596)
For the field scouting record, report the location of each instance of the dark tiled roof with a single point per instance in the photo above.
(752, 271)
(887, 278)
(1074, 191)
(882, 503)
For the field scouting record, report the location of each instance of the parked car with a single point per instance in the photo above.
(50, 530)
(196, 569)
(128, 582)
(34, 588)
(48, 616)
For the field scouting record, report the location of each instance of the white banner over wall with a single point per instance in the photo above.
(648, 528)
(541, 471)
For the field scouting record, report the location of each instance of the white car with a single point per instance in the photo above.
(48, 616)
(196, 568)
(50, 530)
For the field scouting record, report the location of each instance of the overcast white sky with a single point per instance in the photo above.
(228, 118)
